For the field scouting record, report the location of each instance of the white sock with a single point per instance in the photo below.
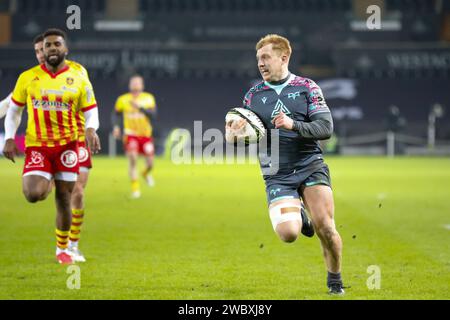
(73, 244)
(59, 250)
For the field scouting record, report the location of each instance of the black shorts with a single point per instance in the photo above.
(287, 186)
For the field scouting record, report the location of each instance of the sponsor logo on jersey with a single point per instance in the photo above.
(36, 160)
(73, 90)
(69, 158)
(279, 106)
(83, 154)
(50, 105)
(133, 145)
(273, 192)
(148, 148)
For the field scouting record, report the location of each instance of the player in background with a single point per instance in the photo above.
(296, 107)
(139, 112)
(39, 52)
(54, 93)
(78, 193)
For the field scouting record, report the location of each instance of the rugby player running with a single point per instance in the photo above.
(295, 107)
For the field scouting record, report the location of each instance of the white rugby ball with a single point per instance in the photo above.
(254, 129)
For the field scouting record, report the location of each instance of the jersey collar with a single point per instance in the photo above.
(280, 82)
(280, 87)
(54, 75)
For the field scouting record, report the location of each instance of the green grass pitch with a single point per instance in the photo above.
(204, 233)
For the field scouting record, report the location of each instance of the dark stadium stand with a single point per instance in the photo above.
(221, 6)
(193, 46)
(416, 6)
(56, 6)
(211, 6)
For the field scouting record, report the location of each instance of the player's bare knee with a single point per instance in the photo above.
(288, 231)
(132, 158)
(33, 196)
(35, 189)
(78, 193)
(288, 238)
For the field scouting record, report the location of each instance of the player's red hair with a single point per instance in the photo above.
(279, 43)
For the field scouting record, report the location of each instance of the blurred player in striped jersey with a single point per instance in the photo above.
(84, 156)
(139, 111)
(54, 92)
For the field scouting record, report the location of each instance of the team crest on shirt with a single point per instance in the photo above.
(36, 160)
(294, 95)
(69, 158)
(69, 80)
(83, 154)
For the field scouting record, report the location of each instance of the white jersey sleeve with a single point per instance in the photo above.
(12, 120)
(4, 105)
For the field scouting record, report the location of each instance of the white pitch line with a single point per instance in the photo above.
(447, 226)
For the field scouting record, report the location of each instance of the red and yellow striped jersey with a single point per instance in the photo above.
(53, 102)
(78, 67)
(136, 123)
(80, 115)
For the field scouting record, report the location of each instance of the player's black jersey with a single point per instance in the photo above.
(299, 98)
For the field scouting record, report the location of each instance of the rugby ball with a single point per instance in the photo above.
(254, 129)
